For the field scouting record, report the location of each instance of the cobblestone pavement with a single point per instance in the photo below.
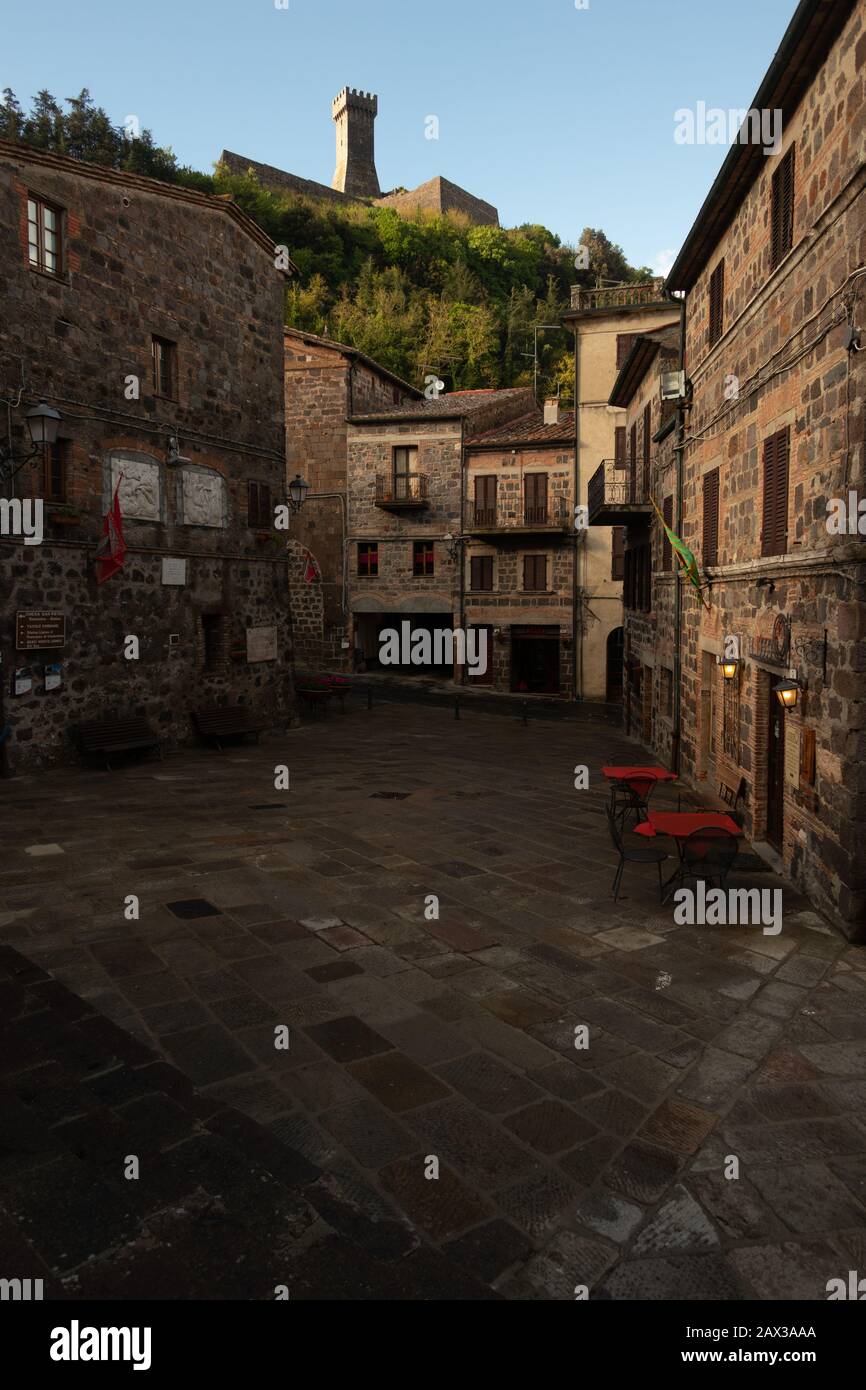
(412, 1039)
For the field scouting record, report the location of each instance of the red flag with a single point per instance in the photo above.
(112, 547)
(311, 570)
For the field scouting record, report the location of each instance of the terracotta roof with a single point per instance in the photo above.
(454, 405)
(100, 173)
(346, 351)
(529, 429)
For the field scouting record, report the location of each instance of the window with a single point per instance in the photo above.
(163, 354)
(620, 446)
(368, 558)
(481, 573)
(535, 573)
(44, 238)
(647, 432)
(711, 517)
(535, 503)
(259, 505)
(485, 501)
(404, 465)
(55, 471)
(624, 344)
(637, 585)
(774, 535)
(782, 216)
(632, 462)
(422, 557)
(212, 626)
(617, 547)
(667, 548)
(717, 302)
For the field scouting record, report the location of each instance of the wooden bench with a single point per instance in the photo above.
(229, 721)
(104, 737)
(732, 796)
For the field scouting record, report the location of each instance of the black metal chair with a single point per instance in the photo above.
(628, 855)
(630, 799)
(709, 853)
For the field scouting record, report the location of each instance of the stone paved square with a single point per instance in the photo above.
(454, 1038)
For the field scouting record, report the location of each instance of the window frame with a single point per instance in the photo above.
(423, 558)
(710, 530)
(783, 193)
(158, 344)
(482, 561)
(57, 454)
(533, 559)
(259, 515)
(368, 559)
(42, 206)
(717, 303)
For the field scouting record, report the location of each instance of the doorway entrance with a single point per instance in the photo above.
(775, 773)
(535, 660)
(709, 670)
(615, 645)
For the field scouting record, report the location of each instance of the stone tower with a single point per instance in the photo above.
(354, 114)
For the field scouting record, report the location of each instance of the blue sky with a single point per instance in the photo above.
(554, 114)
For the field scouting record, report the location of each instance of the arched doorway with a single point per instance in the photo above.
(615, 648)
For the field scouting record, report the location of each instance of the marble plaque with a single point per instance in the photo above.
(202, 498)
(261, 644)
(139, 488)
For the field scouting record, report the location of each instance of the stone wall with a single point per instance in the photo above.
(143, 259)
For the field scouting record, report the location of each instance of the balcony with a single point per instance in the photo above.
(616, 495)
(617, 296)
(512, 517)
(403, 492)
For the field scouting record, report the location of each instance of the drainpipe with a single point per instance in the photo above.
(576, 627)
(461, 561)
(678, 588)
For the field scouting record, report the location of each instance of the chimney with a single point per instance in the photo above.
(551, 412)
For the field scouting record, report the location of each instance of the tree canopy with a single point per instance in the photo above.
(421, 294)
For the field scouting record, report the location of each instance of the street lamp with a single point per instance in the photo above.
(42, 422)
(787, 692)
(298, 490)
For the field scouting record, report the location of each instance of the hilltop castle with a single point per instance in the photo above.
(355, 178)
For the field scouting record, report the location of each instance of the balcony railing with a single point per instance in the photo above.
(401, 490)
(617, 489)
(617, 296)
(514, 514)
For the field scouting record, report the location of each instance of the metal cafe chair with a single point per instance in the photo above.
(709, 853)
(628, 855)
(630, 799)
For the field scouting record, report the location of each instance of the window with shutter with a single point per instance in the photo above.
(774, 535)
(632, 462)
(717, 302)
(620, 446)
(534, 573)
(711, 518)
(617, 569)
(624, 344)
(481, 573)
(535, 495)
(485, 501)
(647, 431)
(258, 504)
(782, 212)
(667, 549)
(807, 758)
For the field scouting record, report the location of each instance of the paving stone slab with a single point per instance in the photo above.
(397, 1081)
(689, 1278)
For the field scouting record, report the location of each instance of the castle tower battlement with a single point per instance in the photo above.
(354, 113)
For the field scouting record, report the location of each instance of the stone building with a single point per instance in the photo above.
(150, 318)
(355, 177)
(326, 383)
(406, 502)
(519, 558)
(771, 438)
(605, 323)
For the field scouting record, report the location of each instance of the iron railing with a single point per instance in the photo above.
(517, 514)
(401, 490)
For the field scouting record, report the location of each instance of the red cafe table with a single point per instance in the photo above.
(680, 825)
(617, 776)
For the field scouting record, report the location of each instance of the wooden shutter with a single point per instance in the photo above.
(711, 518)
(536, 497)
(633, 462)
(535, 572)
(667, 548)
(647, 430)
(619, 447)
(485, 499)
(807, 758)
(782, 235)
(617, 545)
(717, 302)
(774, 535)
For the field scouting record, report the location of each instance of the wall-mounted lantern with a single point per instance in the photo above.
(43, 422)
(787, 692)
(730, 667)
(298, 490)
